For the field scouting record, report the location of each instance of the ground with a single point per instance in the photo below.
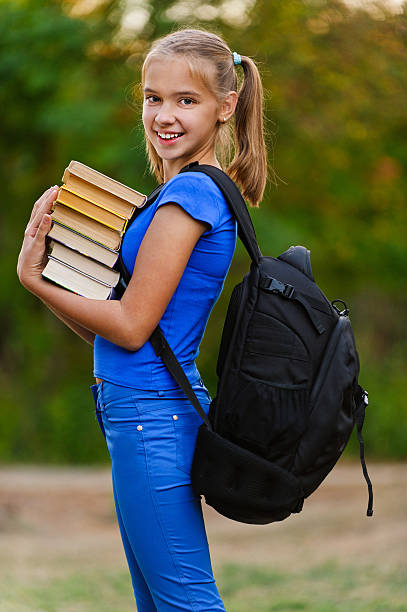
(59, 522)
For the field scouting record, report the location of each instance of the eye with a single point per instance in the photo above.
(187, 101)
(151, 99)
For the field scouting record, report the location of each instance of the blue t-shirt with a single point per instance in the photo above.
(184, 320)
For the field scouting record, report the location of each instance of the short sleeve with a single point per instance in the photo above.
(196, 193)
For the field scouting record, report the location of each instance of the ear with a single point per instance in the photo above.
(228, 106)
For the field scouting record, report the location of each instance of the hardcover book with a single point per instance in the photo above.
(101, 188)
(83, 244)
(89, 217)
(75, 281)
(87, 226)
(83, 264)
(91, 209)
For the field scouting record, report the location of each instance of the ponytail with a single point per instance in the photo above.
(249, 165)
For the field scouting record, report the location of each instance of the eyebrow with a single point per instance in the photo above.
(176, 93)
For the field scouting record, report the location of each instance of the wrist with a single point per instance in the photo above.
(33, 283)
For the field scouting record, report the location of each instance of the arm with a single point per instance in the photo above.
(161, 260)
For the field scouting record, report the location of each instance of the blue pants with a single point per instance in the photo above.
(151, 438)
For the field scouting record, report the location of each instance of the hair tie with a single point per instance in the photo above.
(237, 59)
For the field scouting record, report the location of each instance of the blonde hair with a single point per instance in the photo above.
(244, 137)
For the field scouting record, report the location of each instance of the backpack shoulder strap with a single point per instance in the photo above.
(248, 237)
(237, 204)
(157, 339)
(162, 349)
(120, 266)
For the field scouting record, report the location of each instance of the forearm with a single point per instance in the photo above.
(102, 317)
(82, 332)
(105, 318)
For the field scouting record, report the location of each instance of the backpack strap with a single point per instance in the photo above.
(272, 285)
(361, 401)
(120, 265)
(158, 341)
(248, 237)
(237, 204)
(162, 349)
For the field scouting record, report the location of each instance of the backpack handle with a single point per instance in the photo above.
(237, 204)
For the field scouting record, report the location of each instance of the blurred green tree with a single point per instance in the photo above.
(65, 86)
(335, 109)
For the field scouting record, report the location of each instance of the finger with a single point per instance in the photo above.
(32, 230)
(40, 202)
(43, 228)
(45, 207)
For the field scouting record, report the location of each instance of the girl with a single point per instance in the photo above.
(180, 250)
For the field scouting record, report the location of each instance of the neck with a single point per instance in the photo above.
(171, 168)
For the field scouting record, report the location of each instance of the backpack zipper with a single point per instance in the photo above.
(326, 362)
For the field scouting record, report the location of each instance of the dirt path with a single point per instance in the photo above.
(55, 519)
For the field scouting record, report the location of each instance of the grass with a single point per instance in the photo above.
(322, 588)
(325, 588)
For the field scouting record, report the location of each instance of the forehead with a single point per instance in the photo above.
(174, 74)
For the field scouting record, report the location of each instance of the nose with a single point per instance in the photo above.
(165, 115)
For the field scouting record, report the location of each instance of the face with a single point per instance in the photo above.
(179, 114)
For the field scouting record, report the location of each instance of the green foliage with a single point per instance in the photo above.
(335, 108)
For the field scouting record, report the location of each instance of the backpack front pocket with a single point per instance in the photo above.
(266, 419)
(274, 352)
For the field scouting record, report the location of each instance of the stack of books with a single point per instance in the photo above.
(89, 218)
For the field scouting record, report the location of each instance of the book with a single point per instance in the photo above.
(89, 215)
(91, 209)
(82, 244)
(83, 264)
(75, 281)
(87, 226)
(100, 188)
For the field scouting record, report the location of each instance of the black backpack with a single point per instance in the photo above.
(287, 397)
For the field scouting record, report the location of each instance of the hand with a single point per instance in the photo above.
(33, 257)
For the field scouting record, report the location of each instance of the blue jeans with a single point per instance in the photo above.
(151, 437)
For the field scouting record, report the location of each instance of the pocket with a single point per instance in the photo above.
(274, 352)
(274, 428)
(186, 427)
(122, 415)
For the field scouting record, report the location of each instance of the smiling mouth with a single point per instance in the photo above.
(169, 138)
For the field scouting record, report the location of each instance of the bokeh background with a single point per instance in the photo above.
(335, 74)
(336, 112)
